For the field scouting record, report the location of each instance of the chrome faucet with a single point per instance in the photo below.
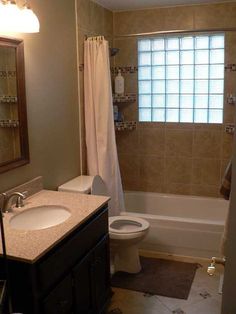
(215, 260)
(7, 205)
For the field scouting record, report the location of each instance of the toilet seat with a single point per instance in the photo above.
(127, 225)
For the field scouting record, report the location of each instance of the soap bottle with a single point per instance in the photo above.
(119, 84)
(116, 113)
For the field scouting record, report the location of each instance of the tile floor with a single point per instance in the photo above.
(204, 297)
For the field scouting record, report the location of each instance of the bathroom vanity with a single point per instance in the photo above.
(64, 269)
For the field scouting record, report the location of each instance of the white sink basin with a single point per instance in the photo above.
(40, 217)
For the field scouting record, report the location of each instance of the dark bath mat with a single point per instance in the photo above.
(159, 277)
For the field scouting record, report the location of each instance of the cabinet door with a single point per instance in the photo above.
(102, 274)
(60, 300)
(83, 285)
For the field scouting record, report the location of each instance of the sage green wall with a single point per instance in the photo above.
(52, 102)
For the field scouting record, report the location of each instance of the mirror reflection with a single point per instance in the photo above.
(14, 150)
(9, 118)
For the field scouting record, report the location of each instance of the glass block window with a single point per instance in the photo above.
(181, 79)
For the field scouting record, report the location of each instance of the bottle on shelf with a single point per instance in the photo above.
(119, 84)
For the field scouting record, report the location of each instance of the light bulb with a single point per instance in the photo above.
(29, 21)
(9, 17)
(14, 19)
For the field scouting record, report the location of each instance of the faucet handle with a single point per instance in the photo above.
(20, 199)
(25, 194)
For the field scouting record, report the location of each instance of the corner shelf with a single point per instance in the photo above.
(126, 98)
(9, 123)
(126, 126)
(8, 99)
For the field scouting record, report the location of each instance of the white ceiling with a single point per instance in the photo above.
(120, 5)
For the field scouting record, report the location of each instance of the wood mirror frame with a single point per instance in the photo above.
(22, 156)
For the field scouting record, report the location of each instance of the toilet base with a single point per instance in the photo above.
(127, 259)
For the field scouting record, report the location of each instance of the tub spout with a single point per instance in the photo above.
(215, 260)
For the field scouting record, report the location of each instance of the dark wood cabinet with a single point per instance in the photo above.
(92, 292)
(72, 278)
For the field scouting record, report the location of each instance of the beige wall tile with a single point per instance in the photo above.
(178, 188)
(218, 16)
(129, 111)
(229, 113)
(151, 173)
(127, 142)
(178, 170)
(152, 142)
(208, 126)
(206, 171)
(108, 23)
(97, 18)
(138, 21)
(207, 144)
(179, 143)
(131, 83)
(179, 126)
(224, 164)
(149, 125)
(127, 55)
(227, 148)
(230, 47)
(205, 190)
(179, 18)
(130, 171)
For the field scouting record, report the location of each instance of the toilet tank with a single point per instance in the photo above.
(81, 184)
(98, 187)
(85, 185)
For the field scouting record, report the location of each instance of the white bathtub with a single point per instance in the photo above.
(183, 225)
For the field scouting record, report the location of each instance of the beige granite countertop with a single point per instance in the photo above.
(30, 245)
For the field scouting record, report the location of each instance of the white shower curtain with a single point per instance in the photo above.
(102, 156)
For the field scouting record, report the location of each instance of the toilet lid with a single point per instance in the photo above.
(127, 224)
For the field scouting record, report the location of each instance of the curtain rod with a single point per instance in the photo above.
(232, 29)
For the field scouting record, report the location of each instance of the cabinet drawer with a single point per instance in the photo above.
(73, 248)
(60, 300)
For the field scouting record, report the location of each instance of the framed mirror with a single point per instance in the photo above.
(14, 147)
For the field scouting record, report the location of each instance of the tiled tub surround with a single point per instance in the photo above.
(174, 158)
(180, 158)
(30, 245)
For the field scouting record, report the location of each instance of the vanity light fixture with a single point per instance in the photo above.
(17, 19)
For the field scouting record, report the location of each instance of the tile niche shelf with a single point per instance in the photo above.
(126, 126)
(8, 99)
(126, 98)
(9, 123)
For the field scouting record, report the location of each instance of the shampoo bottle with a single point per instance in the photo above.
(119, 84)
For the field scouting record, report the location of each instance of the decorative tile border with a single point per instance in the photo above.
(229, 128)
(124, 98)
(124, 70)
(230, 67)
(114, 70)
(9, 123)
(8, 99)
(126, 126)
(6, 74)
(231, 99)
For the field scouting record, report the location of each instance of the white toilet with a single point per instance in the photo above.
(125, 232)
